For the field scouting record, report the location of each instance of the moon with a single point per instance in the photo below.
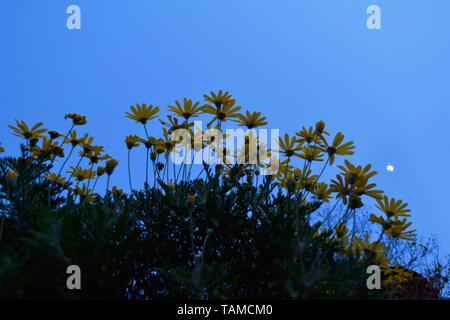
(390, 168)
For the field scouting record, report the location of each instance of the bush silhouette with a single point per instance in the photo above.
(264, 228)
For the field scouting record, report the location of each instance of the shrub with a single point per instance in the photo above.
(263, 227)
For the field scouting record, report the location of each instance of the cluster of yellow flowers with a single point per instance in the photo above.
(308, 145)
(52, 147)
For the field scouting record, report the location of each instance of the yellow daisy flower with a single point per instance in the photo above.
(398, 230)
(54, 135)
(132, 141)
(365, 248)
(115, 191)
(95, 156)
(77, 120)
(101, 171)
(23, 131)
(289, 147)
(72, 139)
(85, 194)
(110, 166)
(12, 176)
(384, 223)
(81, 174)
(58, 179)
(341, 187)
(321, 192)
(393, 208)
(336, 148)
(142, 114)
(341, 230)
(223, 108)
(174, 125)
(306, 135)
(311, 153)
(219, 99)
(395, 276)
(251, 120)
(186, 111)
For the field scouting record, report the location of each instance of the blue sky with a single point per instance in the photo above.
(297, 62)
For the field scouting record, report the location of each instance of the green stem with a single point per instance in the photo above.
(166, 171)
(285, 171)
(146, 133)
(65, 161)
(107, 183)
(89, 178)
(146, 167)
(68, 133)
(174, 173)
(190, 167)
(96, 180)
(78, 164)
(129, 170)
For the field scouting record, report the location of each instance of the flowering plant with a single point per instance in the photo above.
(254, 222)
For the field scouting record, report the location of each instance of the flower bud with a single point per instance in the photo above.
(190, 199)
(101, 171)
(320, 126)
(110, 166)
(54, 135)
(12, 176)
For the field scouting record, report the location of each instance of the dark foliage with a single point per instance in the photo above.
(233, 240)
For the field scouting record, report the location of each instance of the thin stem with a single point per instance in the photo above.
(353, 227)
(329, 213)
(190, 166)
(146, 133)
(317, 179)
(78, 164)
(65, 161)
(146, 159)
(200, 173)
(192, 234)
(96, 180)
(68, 133)
(89, 179)
(285, 171)
(204, 248)
(155, 173)
(166, 170)
(129, 170)
(381, 235)
(146, 167)
(174, 172)
(107, 183)
(183, 166)
(314, 149)
(323, 169)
